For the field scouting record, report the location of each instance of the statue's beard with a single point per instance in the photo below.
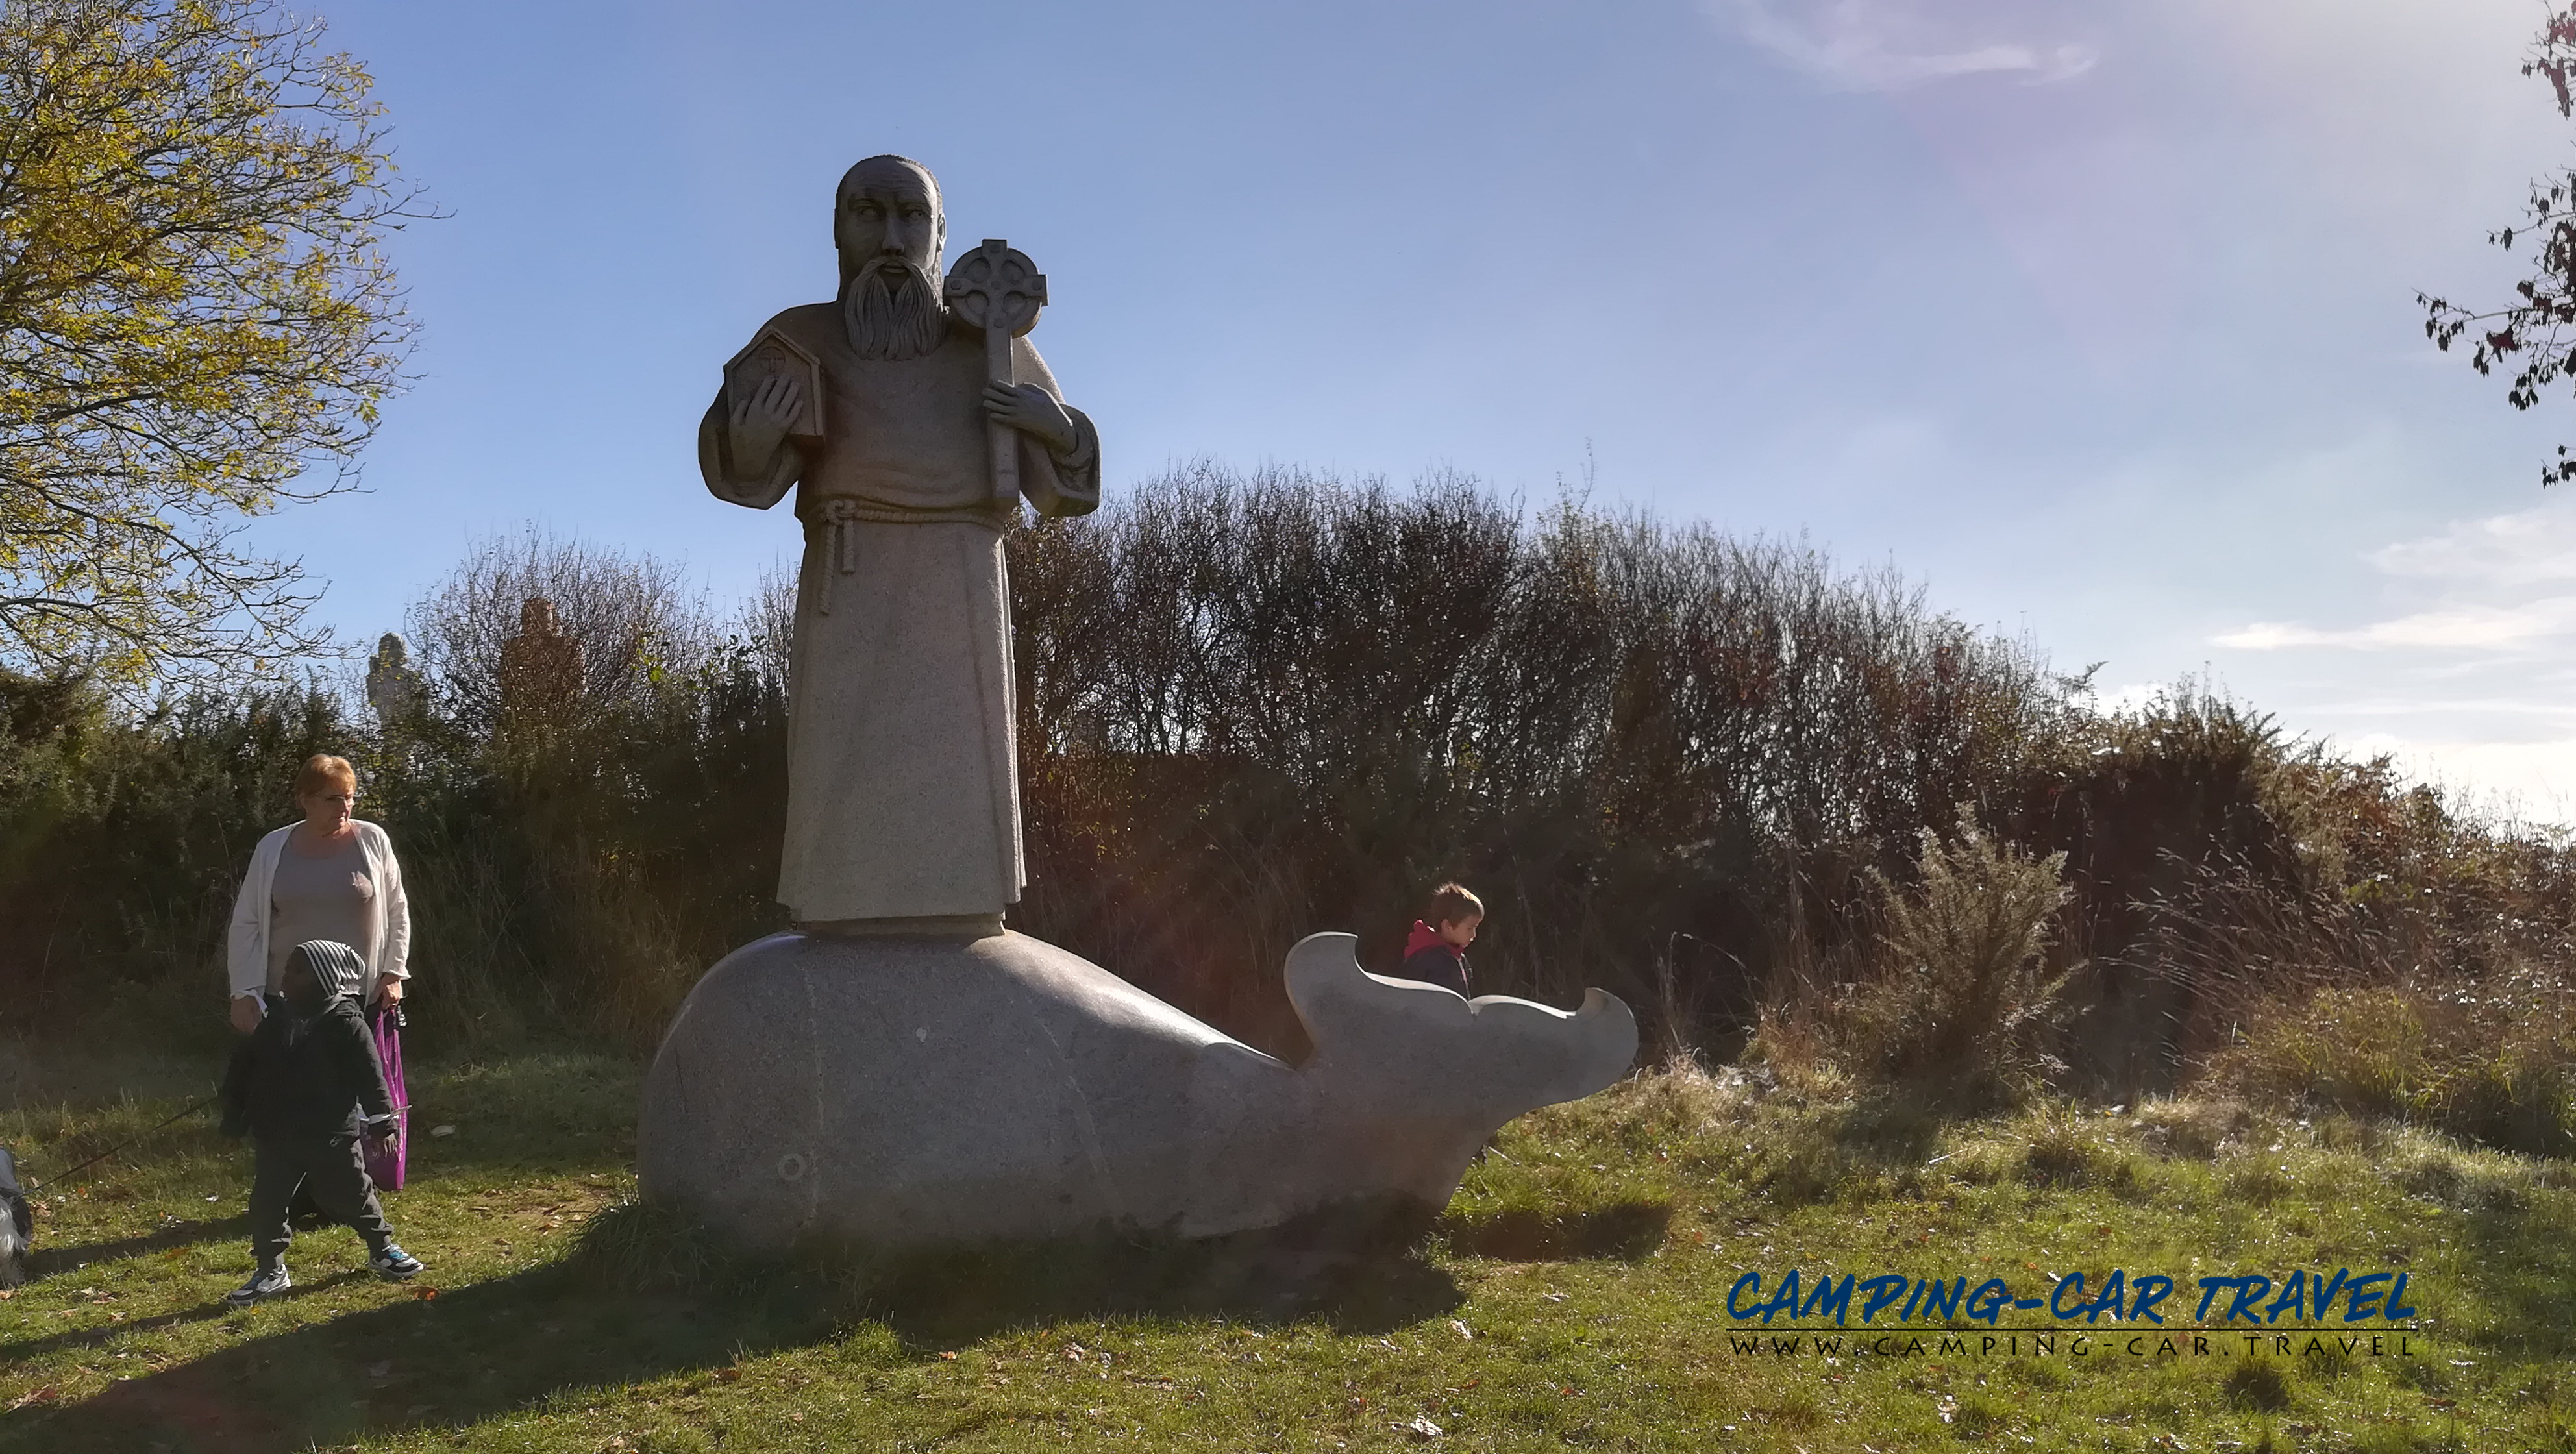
(889, 320)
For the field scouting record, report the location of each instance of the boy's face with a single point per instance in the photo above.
(297, 982)
(1461, 932)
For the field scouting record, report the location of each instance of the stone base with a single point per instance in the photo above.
(906, 1091)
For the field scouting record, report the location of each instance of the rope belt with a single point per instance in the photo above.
(837, 513)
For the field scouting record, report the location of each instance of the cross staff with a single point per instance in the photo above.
(996, 288)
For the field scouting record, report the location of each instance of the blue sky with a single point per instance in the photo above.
(2097, 317)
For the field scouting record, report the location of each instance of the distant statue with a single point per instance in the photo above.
(393, 688)
(914, 417)
(541, 670)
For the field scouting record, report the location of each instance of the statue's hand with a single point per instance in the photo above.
(759, 424)
(1034, 412)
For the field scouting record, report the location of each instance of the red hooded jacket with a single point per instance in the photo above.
(1434, 960)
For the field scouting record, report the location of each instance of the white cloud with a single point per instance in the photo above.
(2463, 628)
(2523, 548)
(2486, 588)
(2136, 696)
(1889, 45)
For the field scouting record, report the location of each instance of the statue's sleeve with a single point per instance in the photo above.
(1057, 484)
(715, 461)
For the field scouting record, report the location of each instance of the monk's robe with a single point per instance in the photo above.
(902, 783)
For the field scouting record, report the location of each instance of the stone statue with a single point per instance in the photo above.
(394, 689)
(910, 1091)
(900, 1070)
(542, 670)
(902, 784)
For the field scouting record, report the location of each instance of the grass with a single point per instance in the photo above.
(1571, 1297)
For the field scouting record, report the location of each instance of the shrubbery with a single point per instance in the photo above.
(2488, 1061)
(1719, 777)
(1959, 1000)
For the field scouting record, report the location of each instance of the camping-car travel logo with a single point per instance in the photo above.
(2352, 1314)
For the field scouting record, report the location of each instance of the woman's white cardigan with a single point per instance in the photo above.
(247, 946)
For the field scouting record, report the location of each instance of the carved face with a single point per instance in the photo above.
(886, 215)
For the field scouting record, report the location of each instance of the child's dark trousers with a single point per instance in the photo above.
(330, 1169)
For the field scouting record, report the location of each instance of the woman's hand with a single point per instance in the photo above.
(246, 1013)
(390, 992)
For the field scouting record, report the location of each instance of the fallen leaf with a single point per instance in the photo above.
(1419, 1427)
(728, 1375)
(424, 1292)
(442, 1130)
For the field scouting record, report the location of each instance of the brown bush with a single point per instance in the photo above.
(1258, 706)
(1676, 764)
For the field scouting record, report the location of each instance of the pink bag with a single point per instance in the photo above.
(385, 1162)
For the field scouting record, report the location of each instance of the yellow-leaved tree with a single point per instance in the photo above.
(196, 325)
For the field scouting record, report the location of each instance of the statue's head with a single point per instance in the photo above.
(887, 224)
(537, 617)
(392, 649)
(887, 208)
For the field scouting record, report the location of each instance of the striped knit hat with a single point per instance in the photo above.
(334, 966)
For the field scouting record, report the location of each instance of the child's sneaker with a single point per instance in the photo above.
(267, 1282)
(394, 1264)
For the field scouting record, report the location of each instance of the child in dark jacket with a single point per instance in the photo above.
(301, 1085)
(1437, 952)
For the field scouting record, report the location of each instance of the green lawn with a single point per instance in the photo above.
(1574, 1295)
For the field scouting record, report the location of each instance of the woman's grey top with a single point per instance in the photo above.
(319, 898)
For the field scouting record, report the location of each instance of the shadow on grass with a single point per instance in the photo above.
(644, 1296)
(1874, 1148)
(48, 1261)
(2526, 1263)
(1356, 1267)
(99, 1337)
(944, 1302)
(449, 1360)
(1626, 1231)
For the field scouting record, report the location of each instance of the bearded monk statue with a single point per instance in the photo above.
(903, 803)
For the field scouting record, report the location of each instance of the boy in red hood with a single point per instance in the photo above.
(1437, 952)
